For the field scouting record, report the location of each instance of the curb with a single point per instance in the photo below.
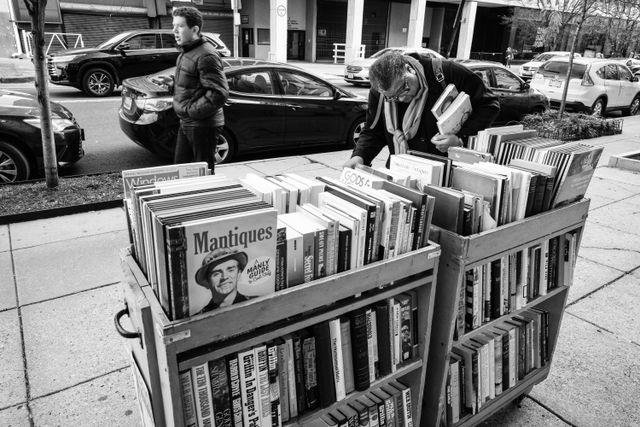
(17, 79)
(51, 213)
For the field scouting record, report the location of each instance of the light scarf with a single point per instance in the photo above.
(413, 115)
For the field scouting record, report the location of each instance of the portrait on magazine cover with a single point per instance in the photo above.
(221, 269)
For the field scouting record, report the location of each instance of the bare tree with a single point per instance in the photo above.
(36, 10)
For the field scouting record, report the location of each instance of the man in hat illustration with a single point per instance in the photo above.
(219, 273)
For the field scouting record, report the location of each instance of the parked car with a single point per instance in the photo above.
(528, 69)
(595, 85)
(516, 97)
(99, 70)
(357, 72)
(271, 106)
(21, 141)
(632, 63)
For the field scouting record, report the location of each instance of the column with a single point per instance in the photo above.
(355, 10)
(416, 23)
(466, 29)
(435, 31)
(278, 26)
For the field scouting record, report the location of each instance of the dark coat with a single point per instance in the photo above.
(200, 87)
(484, 103)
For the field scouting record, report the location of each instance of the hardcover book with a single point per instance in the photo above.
(233, 372)
(249, 387)
(188, 402)
(202, 392)
(220, 392)
(325, 351)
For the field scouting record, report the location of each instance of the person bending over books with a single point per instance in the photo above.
(404, 88)
(219, 273)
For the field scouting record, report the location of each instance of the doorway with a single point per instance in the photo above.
(295, 44)
(247, 40)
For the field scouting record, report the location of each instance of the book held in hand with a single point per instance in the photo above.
(451, 110)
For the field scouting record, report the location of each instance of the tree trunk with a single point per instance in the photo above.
(36, 10)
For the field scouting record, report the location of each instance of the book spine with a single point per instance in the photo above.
(188, 404)
(406, 347)
(347, 354)
(320, 242)
(299, 374)
(397, 340)
(220, 393)
(370, 346)
(177, 266)
(249, 388)
(504, 285)
(234, 388)
(274, 385)
(308, 256)
(283, 381)
(311, 386)
(335, 335)
(360, 349)
(281, 258)
(202, 390)
(544, 268)
(324, 357)
(263, 385)
(344, 250)
(496, 301)
(291, 377)
(384, 343)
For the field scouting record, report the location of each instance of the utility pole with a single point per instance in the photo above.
(236, 26)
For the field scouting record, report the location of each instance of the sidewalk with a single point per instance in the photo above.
(64, 364)
(13, 70)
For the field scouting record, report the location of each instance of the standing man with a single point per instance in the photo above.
(403, 90)
(199, 90)
(508, 57)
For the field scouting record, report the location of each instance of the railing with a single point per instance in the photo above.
(58, 38)
(339, 51)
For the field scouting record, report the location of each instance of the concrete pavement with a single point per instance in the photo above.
(64, 364)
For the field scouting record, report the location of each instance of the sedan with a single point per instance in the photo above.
(271, 107)
(21, 140)
(357, 72)
(516, 97)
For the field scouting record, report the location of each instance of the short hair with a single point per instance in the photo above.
(387, 70)
(191, 15)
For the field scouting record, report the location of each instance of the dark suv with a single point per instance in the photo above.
(97, 71)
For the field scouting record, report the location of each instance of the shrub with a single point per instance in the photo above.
(572, 126)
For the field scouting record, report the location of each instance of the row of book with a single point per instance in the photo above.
(301, 372)
(510, 282)
(486, 365)
(278, 231)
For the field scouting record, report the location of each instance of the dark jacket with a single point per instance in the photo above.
(200, 87)
(484, 103)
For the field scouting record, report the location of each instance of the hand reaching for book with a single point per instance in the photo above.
(443, 142)
(352, 162)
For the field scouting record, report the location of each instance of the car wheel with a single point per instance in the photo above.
(634, 108)
(98, 82)
(225, 147)
(14, 165)
(354, 131)
(597, 109)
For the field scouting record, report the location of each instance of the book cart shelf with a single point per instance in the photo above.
(162, 348)
(460, 253)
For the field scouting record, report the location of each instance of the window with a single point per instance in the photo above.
(611, 72)
(252, 83)
(264, 36)
(505, 80)
(168, 41)
(301, 85)
(484, 75)
(142, 41)
(624, 73)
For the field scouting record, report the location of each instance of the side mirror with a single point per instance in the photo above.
(123, 46)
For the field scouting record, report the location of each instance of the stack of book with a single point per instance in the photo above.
(284, 379)
(483, 366)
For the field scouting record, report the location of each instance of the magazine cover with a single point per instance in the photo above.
(142, 176)
(220, 261)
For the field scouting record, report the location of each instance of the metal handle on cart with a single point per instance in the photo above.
(122, 331)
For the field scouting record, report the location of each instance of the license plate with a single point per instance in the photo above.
(555, 83)
(126, 103)
(350, 75)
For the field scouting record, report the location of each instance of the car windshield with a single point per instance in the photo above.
(112, 40)
(559, 69)
(544, 57)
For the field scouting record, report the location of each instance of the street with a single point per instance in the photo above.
(107, 148)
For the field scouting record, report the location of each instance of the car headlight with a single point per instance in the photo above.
(58, 125)
(63, 58)
(154, 104)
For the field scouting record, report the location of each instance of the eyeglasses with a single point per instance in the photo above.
(404, 90)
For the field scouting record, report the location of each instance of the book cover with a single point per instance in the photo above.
(233, 373)
(324, 356)
(576, 176)
(188, 402)
(220, 392)
(444, 101)
(136, 177)
(248, 366)
(453, 118)
(223, 260)
(202, 392)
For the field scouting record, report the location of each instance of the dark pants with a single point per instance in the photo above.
(196, 144)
